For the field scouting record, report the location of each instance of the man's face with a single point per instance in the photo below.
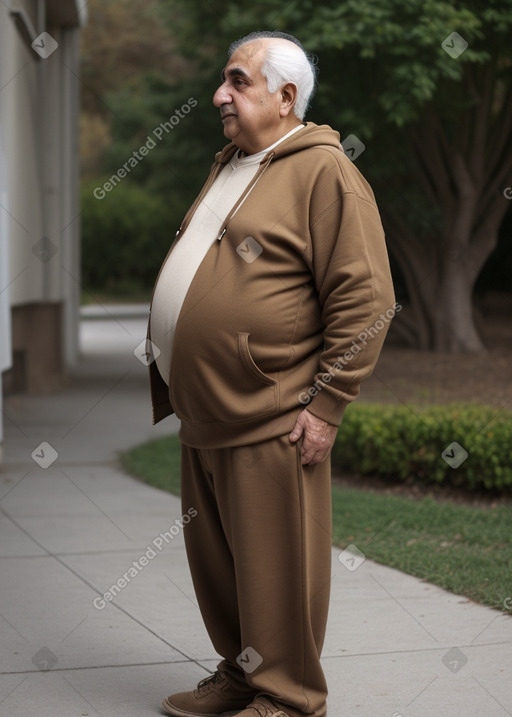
(250, 114)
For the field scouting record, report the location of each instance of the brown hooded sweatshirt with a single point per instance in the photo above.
(290, 306)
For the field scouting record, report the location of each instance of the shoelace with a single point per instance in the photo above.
(209, 681)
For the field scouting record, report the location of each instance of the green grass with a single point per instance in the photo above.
(156, 463)
(463, 549)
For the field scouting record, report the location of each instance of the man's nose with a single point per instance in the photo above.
(222, 96)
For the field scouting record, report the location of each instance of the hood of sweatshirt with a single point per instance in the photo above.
(311, 135)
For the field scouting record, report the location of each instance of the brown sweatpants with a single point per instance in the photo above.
(259, 552)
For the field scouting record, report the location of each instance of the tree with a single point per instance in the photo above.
(121, 45)
(450, 97)
(434, 110)
(128, 61)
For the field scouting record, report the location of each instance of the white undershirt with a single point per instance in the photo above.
(184, 260)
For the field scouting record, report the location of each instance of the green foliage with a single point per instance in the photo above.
(125, 236)
(406, 442)
(401, 40)
(380, 60)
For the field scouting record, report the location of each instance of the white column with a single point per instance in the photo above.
(70, 199)
(5, 307)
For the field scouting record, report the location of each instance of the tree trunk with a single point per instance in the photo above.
(453, 327)
(463, 175)
(440, 281)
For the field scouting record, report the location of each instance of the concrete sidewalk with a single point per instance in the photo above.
(71, 528)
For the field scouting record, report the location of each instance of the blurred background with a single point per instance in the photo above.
(436, 129)
(109, 131)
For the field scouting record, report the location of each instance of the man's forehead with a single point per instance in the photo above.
(254, 50)
(245, 59)
(250, 49)
(250, 56)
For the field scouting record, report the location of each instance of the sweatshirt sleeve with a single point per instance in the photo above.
(350, 266)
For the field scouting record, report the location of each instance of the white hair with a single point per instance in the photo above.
(285, 63)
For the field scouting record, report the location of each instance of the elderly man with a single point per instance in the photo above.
(277, 269)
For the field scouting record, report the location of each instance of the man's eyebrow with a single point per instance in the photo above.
(235, 71)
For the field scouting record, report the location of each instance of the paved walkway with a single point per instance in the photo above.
(71, 528)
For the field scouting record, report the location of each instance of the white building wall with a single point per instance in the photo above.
(5, 308)
(39, 183)
(21, 122)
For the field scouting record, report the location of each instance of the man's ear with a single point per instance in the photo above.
(288, 98)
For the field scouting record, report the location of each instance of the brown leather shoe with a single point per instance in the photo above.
(262, 707)
(213, 697)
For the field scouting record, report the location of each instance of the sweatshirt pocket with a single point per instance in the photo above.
(249, 362)
(223, 385)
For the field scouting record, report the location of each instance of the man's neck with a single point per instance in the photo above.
(273, 138)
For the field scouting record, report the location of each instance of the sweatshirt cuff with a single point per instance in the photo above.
(327, 407)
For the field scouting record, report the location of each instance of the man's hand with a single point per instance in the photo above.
(317, 437)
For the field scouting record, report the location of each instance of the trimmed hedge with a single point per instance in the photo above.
(406, 442)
